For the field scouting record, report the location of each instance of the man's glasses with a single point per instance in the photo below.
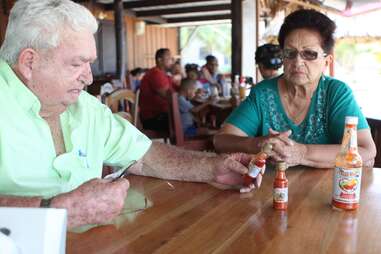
(306, 54)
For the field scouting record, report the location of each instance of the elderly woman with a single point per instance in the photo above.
(301, 112)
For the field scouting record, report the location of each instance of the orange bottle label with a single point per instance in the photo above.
(346, 185)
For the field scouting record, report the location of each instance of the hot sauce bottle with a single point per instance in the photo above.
(348, 167)
(280, 187)
(256, 164)
(242, 88)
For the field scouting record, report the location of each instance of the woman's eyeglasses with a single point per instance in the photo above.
(306, 54)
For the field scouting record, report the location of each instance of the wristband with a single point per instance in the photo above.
(45, 203)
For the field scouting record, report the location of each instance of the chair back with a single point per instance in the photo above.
(124, 98)
(175, 126)
(136, 110)
(176, 134)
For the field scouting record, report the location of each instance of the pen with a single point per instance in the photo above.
(124, 172)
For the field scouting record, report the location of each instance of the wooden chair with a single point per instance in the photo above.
(152, 134)
(375, 127)
(124, 98)
(176, 133)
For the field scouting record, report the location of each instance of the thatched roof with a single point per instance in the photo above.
(360, 27)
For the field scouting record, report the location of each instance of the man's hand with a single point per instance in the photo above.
(229, 171)
(94, 202)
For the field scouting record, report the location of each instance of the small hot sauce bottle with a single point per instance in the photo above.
(280, 187)
(256, 164)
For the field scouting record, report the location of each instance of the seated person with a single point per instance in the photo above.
(187, 110)
(136, 76)
(154, 87)
(268, 57)
(192, 72)
(56, 137)
(177, 73)
(211, 78)
(302, 112)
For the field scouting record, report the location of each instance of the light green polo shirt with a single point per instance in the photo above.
(93, 136)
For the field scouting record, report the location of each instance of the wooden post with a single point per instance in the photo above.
(257, 11)
(120, 39)
(236, 12)
(4, 7)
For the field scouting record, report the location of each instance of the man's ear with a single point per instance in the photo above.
(26, 62)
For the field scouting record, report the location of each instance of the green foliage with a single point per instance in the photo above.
(215, 38)
(348, 53)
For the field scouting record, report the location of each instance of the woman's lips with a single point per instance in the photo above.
(298, 73)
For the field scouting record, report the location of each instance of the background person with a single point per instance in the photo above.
(155, 85)
(177, 73)
(268, 57)
(192, 72)
(187, 92)
(136, 76)
(210, 77)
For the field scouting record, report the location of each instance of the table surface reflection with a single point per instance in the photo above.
(197, 218)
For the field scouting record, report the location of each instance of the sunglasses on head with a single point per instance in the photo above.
(305, 54)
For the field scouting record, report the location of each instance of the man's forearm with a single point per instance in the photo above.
(226, 143)
(169, 162)
(17, 201)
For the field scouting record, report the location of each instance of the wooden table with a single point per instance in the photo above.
(197, 218)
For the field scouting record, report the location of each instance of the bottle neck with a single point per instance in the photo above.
(280, 174)
(349, 143)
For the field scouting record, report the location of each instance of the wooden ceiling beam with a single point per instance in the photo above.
(152, 3)
(160, 12)
(198, 18)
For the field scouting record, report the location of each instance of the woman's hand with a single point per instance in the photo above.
(278, 140)
(286, 149)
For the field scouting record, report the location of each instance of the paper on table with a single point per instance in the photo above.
(36, 230)
(135, 202)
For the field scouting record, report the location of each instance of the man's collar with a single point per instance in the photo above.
(18, 89)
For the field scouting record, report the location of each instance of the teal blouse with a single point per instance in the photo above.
(323, 124)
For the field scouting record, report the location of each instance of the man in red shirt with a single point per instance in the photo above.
(153, 92)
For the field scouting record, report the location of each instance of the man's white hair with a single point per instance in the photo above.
(40, 24)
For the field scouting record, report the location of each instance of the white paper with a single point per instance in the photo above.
(36, 230)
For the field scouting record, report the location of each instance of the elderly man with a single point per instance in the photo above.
(54, 137)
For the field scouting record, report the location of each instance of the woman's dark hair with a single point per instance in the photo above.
(312, 20)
